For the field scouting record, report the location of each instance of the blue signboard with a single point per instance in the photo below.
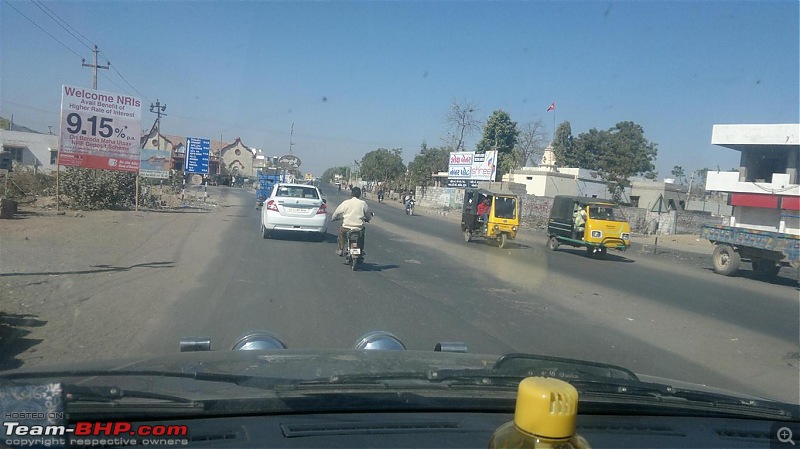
(197, 154)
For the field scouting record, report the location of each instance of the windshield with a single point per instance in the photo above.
(142, 141)
(608, 213)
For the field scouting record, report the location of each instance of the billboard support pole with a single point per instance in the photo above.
(136, 202)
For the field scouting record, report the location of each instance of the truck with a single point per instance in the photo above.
(764, 195)
(267, 178)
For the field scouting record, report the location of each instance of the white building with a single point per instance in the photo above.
(31, 149)
(548, 180)
(764, 192)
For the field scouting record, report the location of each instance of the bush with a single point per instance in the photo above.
(27, 182)
(98, 189)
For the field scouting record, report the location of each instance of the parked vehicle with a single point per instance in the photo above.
(590, 223)
(765, 249)
(266, 182)
(500, 220)
(295, 208)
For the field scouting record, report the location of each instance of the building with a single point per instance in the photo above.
(645, 194)
(765, 191)
(30, 148)
(548, 180)
(237, 158)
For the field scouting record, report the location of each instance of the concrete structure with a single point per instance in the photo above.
(764, 192)
(238, 158)
(645, 194)
(31, 149)
(552, 181)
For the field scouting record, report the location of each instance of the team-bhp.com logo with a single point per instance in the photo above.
(86, 433)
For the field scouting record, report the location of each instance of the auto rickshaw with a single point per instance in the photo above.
(587, 222)
(501, 220)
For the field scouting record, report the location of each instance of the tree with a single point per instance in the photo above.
(500, 133)
(429, 161)
(462, 123)
(678, 173)
(627, 153)
(330, 174)
(382, 165)
(563, 146)
(531, 142)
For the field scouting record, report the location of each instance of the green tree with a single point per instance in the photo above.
(429, 161)
(329, 174)
(500, 133)
(563, 146)
(626, 153)
(678, 173)
(383, 165)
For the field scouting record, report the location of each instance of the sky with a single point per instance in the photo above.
(354, 76)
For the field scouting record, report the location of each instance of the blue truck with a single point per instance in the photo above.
(766, 250)
(267, 179)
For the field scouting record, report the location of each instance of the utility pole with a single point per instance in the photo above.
(291, 137)
(157, 109)
(95, 67)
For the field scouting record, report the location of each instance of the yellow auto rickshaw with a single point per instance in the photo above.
(594, 224)
(490, 214)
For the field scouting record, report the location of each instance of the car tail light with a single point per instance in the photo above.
(272, 206)
(322, 209)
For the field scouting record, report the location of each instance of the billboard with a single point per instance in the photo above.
(466, 168)
(99, 129)
(155, 163)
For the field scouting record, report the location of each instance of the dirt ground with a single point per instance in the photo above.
(82, 280)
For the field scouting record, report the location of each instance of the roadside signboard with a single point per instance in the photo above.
(197, 154)
(155, 163)
(289, 162)
(99, 129)
(466, 168)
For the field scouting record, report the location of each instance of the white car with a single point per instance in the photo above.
(296, 208)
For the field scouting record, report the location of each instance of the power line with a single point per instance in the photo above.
(43, 30)
(53, 16)
(128, 83)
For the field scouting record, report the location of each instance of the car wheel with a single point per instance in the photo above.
(726, 260)
(264, 232)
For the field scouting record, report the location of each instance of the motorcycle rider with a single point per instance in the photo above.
(409, 201)
(353, 213)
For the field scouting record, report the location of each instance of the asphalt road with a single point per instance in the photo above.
(422, 282)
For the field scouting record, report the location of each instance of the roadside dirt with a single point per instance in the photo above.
(89, 282)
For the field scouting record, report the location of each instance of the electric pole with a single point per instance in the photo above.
(95, 67)
(291, 139)
(159, 109)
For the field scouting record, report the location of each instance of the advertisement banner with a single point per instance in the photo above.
(155, 163)
(466, 168)
(99, 129)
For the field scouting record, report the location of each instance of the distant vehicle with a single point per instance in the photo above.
(266, 182)
(295, 208)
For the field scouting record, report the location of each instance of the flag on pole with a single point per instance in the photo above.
(552, 107)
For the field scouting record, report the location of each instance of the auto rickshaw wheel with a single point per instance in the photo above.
(502, 240)
(467, 235)
(602, 252)
(552, 243)
(589, 251)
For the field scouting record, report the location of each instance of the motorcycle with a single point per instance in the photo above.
(354, 246)
(380, 198)
(410, 207)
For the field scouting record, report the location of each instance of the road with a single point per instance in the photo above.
(422, 282)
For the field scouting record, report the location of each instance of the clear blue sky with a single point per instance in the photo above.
(355, 76)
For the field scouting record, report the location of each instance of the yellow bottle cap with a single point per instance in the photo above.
(546, 407)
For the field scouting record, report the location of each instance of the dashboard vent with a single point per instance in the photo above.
(744, 434)
(632, 429)
(298, 430)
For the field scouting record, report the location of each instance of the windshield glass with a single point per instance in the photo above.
(161, 165)
(608, 213)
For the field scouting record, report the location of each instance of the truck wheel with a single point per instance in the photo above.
(726, 260)
(765, 268)
(552, 243)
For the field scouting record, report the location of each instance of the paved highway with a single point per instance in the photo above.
(422, 282)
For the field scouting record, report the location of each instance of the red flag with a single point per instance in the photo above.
(552, 107)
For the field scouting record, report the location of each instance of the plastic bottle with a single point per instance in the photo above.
(544, 417)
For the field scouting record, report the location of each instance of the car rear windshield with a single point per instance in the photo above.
(297, 192)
